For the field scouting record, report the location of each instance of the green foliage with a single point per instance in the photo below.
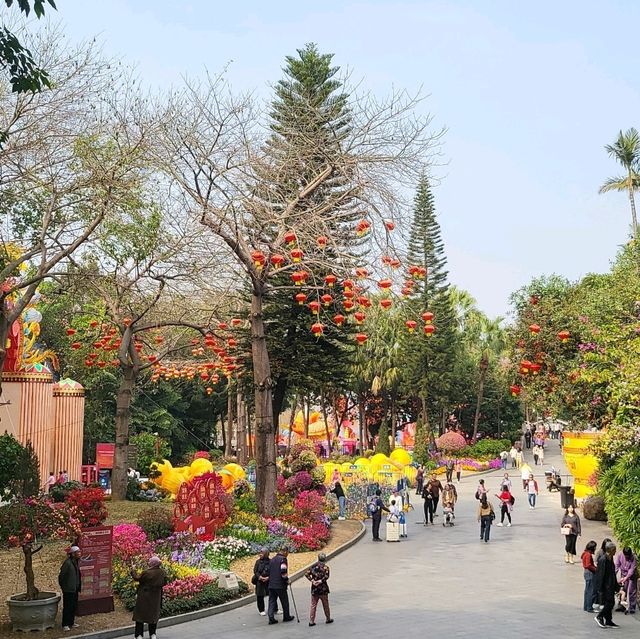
(421, 448)
(487, 449)
(383, 439)
(60, 492)
(149, 448)
(19, 468)
(156, 522)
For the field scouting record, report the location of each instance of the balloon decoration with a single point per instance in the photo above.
(171, 478)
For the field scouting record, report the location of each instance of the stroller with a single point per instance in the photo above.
(447, 511)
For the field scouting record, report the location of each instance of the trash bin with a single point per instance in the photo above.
(567, 496)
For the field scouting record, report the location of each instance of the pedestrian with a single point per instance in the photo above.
(536, 454)
(601, 551)
(431, 495)
(376, 506)
(486, 515)
(419, 480)
(481, 489)
(148, 597)
(589, 572)
(70, 582)
(318, 575)
(458, 470)
(525, 471)
(527, 437)
(278, 583)
(532, 493)
(626, 566)
(512, 453)
(519, 458)
(506, 504)
(338, 491)
(541, 455)
(504, 457)
(506, 481)
(65, 476)
(436, 489)
(449, 469)
(571, 529)
(260, 579)
(606, 586)
(449, 498)
(60, 479)
(50, 483)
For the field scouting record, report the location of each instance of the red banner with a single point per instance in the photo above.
(105, 454)
(95, 568)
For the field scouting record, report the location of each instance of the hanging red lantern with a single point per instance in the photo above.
(515, 390)
(97, 344)
(236, 321)
(364, 302)
(93, 355)
(209, 390)
(326, 299)
(299, 277)
(395, 263)
(349, 294)
(390, 225)
(330, 280)
(534, 329)
(297, 254)
(385, 284)
(76, 345)
(277, 260)
(525, 366)
(290, 238)
(406, 292)
(102, 364)
(411, 325)
(535, 368)
(301, 298)
(232, 343)
(361, 338)
(322, 242)
(427, 317)
(258, 259)
(223, 326)
(362, 227)
(204, 376)
(348, 305)
(71, 331)
(361, 273)
(317, 329)
(422, 272)
(339, 319)
(429, 329)
(158, 339)
(314, 306)
(88, 363)
(564, 336)
(347, 285)
(359, 316)
(93, 323)
(386, 304)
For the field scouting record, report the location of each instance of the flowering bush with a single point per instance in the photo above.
(223, 550)
(306, 460)
(130, 542)
(299, 482)
(177, 570)
(451, 441)
(183, 547)
(311, 537)
(281, 485)
(186, 587)
(157, 523)
(87, 504)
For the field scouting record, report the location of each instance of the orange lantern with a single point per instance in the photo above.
(232, 343)
(564, 336)
(301, 298)
(411, 325)
(361, 338)
(385, 284)
(290, 238)
(159, 339)
(277, 260)
(338, 319)
(362, 227)
(364, 302)
(299, 277)
(361, 273)
(525, 366)
(386, 304)
(71, 331)
(359, 316)
(534, 329)
(347, 285)
(297, 254)
(326, 299)
(223, 326)
(314, 306)
(317, 329)
(76, 345)
(330, 280)
(258, 259)
(236, 321)
(429, 329)
(348, 305)
(515, 390)
(88, 363)
(93, 323)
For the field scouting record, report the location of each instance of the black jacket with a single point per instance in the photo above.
(69, 578)
(606, 581)
(278, 572)
(262, 569)
(337, 490)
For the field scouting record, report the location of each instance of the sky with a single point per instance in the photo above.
(529, 94)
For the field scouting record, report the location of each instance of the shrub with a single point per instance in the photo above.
(60, 492)
(383, 445)
(157, 523)
(129, 542)
(302, 480)
(487, 448)
(87, 504)
(306, 460)
(317, 475)
(202, 454)
(19, 468)
(451, 442)
(247, 503)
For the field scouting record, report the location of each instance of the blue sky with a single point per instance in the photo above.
(529, 92)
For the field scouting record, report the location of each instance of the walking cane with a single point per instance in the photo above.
(293, 599)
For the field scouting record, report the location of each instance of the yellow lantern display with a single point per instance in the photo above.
(236, 471)
(400, 456)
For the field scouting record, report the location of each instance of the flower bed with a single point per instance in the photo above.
(468, 464)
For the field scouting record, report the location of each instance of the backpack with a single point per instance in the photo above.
(373, 507)
(512, 500)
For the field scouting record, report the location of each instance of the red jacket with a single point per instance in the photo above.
(587, 561)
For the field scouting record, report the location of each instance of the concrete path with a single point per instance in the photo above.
(446, 582)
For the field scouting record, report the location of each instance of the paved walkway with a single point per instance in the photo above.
(446, 582)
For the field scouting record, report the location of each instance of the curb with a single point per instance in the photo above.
(213, 610)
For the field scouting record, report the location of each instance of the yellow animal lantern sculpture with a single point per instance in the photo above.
(170, 478)
(580, 462)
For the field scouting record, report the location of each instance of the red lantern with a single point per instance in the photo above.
(204, 376)
(258, 259)
(364, 302)
(429, 329)
(535, 368)
(525, 366)
(348, 294)
(290, 238)
(232, 343)
(236, 321)
(348, 305)
(427, 317)
(277, 260)
(326, 299)
(299, 277)
(71, 331)
(411, 325)
(159, 339)
(386, 304)
(385, 285)
(362, 227)
(317, 329)
(338, 319)
(76, 345)
(322, 242)
(515, 390)
(330, 280)
(347, 285)
(390, 225)
(534, 329)
(301, 298)
(314, 306)
(395, 263)
(406, 292)
(93, 323)
(361, 338)
(88, 363)
(152, 358)
(564, 336)
(223, 326)
(359, 316)
(297, 254)
(361, 273)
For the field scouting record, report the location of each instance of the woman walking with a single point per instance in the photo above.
(419, 480)
(626, 567)
(149, 597)
(260, 579)
(589, 571)
(481, 490)
(571, 529)
(506, 504)
(486, 515)
(458, 470)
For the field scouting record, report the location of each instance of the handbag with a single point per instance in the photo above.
(565, 530)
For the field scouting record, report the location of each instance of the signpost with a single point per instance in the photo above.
(95, 568)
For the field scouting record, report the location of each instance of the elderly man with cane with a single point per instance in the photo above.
(278, 583)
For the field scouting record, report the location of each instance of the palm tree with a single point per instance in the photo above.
(626, 150)
(490, 344)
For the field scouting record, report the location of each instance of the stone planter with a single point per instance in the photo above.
(38, 614)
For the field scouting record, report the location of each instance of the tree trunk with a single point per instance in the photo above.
(123, 414)
(266, 471)
(362, 429)
(484, 364)
(28, 551)
(394, 420)
(323, 407)
(306, 413)
(241, 437)
(228, 448)
(632, 201)
(279, 394)
(292, 419)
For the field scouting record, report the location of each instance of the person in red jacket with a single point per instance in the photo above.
(506, 504)
(589, 570)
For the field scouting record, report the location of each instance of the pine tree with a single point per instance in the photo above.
(383, 439)
(430, 359)
(309, 121)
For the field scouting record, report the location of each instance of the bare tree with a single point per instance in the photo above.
(261, 194)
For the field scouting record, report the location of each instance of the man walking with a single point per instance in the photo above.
(70, 582)
(376, 506)
(606, 586)
(318, 575)
(532, 491)
(278, 582)
(449, 469)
